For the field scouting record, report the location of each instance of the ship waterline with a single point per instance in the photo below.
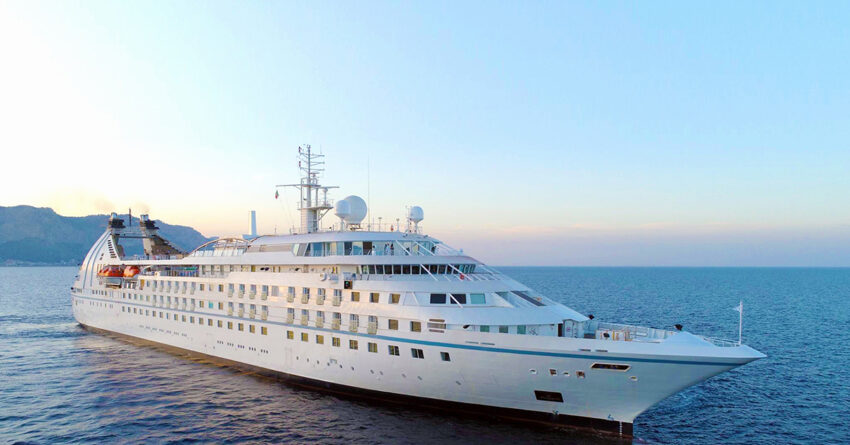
(389, 315)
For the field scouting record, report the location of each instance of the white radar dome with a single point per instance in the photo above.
(342, 209)
(416, 214)
(357, 209)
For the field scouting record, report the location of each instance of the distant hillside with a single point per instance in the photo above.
(38, 235)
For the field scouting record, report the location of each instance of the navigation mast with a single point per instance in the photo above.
(314, 196)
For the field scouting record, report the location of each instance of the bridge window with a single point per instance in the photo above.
(477, 299)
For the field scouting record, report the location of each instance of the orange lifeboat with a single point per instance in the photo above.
(131, 271)
(111, 271)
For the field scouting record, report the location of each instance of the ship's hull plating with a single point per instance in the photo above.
(474, 381)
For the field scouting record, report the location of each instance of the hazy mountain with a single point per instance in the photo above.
(38, 235)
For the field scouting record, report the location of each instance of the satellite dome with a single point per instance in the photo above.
(357, 209)
(416, 214)
(342, 209)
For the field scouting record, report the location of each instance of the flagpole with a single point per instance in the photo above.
(740, 322)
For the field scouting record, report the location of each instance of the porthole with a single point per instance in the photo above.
(633, 378)
(532, 371)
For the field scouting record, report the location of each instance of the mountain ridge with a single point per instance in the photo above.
(39, 236)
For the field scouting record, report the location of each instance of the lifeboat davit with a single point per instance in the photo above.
(131, 271)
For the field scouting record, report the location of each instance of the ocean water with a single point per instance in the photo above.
(61, 384)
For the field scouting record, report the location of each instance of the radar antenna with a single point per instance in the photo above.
(314, 196)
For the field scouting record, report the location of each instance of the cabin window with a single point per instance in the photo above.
(373, 347)
(355, 296)
(241, 327)
(320, 339)
(405, 269)
(503, 329)
(264, 330)
(220, 323)
(252, 329)
(352, 344)
(374, 297)
(392, 324)
(520, 329)
(393, 350)
(290, 335)
(229, 325)
(335, 341)
(438, 298)
(415, 326)
(610, 366)
(445, 356)
(477, 299)
(379, 269)
(304, 336)
(396, 269)
(417, 353)
(395, 298)
(459, 298)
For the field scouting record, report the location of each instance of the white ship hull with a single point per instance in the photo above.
(500, 378)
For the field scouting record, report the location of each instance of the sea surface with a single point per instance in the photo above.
(62, 384)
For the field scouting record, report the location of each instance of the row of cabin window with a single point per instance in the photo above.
(370, 346)
(392, 324)
(191, 319)
(275, 291)
(416, 269)
(211, 305)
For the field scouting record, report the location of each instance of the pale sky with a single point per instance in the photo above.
(538, 133)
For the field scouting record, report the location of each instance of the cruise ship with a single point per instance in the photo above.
(395, 316)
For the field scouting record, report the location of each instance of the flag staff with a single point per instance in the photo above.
(740, 310)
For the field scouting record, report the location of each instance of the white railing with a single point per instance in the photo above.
(723, 343)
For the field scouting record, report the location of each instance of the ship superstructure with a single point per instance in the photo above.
(391, 315)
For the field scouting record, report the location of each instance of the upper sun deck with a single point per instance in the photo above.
(324, 244)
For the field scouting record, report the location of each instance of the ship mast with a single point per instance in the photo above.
(314, 196)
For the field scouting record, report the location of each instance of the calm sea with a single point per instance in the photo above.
(61, 384)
